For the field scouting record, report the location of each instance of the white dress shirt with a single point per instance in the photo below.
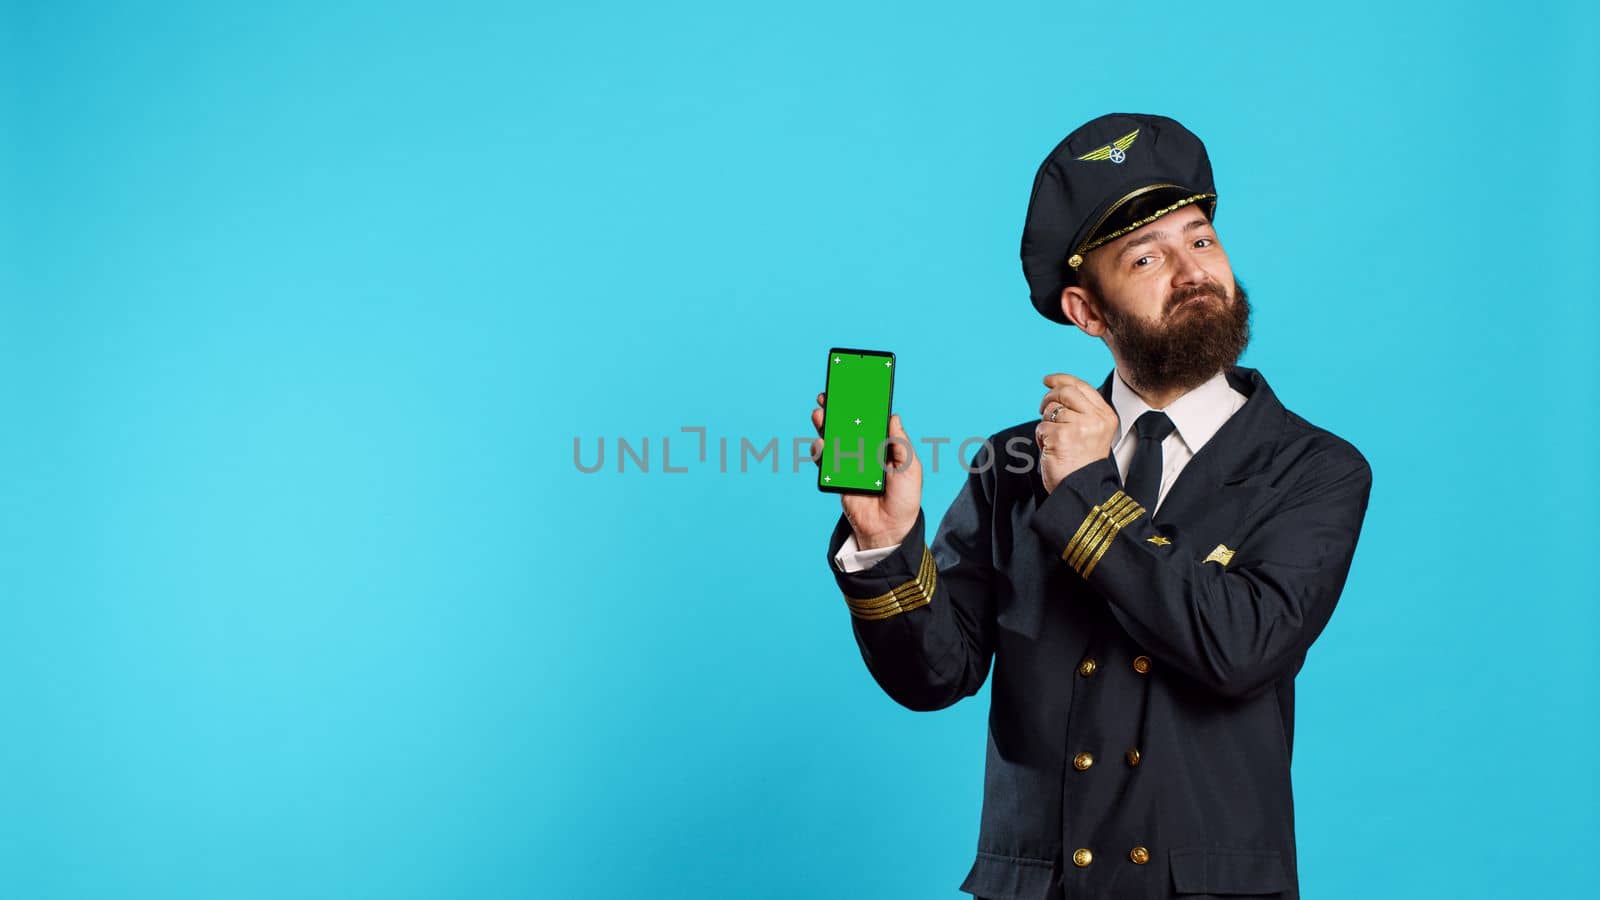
(1197, 414)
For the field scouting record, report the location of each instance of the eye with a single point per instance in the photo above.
(1141, 260)
(1205, 242)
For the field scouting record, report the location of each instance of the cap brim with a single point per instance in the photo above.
(1139, 207)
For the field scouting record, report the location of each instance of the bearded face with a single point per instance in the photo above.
(1202, 329)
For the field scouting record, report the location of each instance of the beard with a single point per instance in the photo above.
(1190, 343)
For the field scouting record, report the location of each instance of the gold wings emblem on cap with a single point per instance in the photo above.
(1114, 151)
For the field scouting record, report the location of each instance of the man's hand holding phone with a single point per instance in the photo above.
(880, 520)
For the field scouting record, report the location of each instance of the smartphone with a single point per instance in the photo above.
(855, 421)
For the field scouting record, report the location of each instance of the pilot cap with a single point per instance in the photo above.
(1110, 176)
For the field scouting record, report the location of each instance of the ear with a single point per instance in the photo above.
(1079, 308)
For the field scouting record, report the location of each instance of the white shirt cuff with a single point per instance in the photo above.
(850, 559)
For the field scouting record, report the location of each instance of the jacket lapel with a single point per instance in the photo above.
(1242, 447)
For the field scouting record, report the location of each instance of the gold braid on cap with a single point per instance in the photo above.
(1076, 259)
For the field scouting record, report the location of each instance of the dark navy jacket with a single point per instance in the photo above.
(1142, 707)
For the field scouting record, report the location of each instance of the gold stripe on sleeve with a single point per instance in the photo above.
(1101, 550)
(1094, 525)
(1099, 527)
(914, 593)
(1105, 523)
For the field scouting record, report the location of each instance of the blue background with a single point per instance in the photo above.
(304, 596)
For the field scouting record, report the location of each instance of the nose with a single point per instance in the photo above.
(1186, 269)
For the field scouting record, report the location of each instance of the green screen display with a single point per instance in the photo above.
(855, 420)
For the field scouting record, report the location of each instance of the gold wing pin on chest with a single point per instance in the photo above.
(1219, 555)
(1116, 151)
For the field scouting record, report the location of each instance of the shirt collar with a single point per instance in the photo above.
(1197, 414)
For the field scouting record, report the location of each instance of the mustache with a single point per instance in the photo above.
(1200, 290)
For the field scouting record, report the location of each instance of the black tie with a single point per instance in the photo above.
(1144, 473)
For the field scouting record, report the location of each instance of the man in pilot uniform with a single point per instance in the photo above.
(1144, 564)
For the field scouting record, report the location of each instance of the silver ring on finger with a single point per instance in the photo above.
(1055, 412)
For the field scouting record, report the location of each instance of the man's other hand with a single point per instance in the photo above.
(1076, 427)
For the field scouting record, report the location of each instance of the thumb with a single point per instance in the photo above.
(895, 428)
(900, 445)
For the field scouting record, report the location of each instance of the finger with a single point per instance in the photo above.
(1059, 379)
(1061, 410)
(894, 457)
(1078, 394)
(1065, 417)
(822, 400)
(1090, 395)
(1050, 399)
(1066, 396)
(816, 419)
(816, 452)
(900, 452)
(896, 452)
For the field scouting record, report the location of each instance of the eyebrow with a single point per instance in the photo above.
(1149, 236)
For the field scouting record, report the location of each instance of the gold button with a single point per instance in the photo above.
(1082, 761)
(1141, 664)
(1075, 260)
(1086, 668)
(1134, 757)
(1139, 855)
(1082, 857)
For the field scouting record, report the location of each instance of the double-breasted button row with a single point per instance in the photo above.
(1083, 857)
(1083, 761)
(1141, 664)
